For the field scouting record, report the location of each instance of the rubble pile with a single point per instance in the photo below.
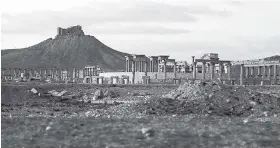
(212, 98)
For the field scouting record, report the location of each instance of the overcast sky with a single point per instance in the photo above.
(236, 30)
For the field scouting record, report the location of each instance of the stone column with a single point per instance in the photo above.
(14, 73)
(58, 74)
(264, 71)
(194, 70)
(209, 68)
(259, 71)
(151, 66)
(35, 72)
(164, 68)
(220, 70)
(212, 69)
(61, 74)
(241, 73)
(52, 73)
(229, 70)
(90, 71)
(252, 71)
(145, 67)
(174, 70)
(43, 73)
(141, 66)
(269, 72)
(203, 70)
(40, 72)
(275, 74)
(30, 72)
(155, 66)
(133, 72)
(84, 72)
(48, 72)
(126, 65)
(136, 66)
(74, 73)
(133, 66)
(158, 65)
(247, 72)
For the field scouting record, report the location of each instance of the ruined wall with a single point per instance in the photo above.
(72, 31)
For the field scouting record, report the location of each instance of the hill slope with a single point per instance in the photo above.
(65, 52)
(273, 58)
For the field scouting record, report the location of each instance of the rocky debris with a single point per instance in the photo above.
(111, 94)
(98, 95)
(211, 98)
(148, 132)
(85, 98)
(34, 91)
(141, 93)
(57, 94)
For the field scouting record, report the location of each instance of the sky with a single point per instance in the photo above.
(236, 30)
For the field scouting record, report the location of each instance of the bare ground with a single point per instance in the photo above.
(32, 121)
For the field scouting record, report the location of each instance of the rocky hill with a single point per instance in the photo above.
(71, 48)
(273, 58)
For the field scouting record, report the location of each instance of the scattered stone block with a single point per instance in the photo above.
(98, 94)
(148, 132)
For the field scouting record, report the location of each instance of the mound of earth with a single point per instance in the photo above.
(212, 98)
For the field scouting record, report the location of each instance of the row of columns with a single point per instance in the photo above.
(52, 73)
(90, 72)
(212, 70)
(140, 66)
(250, 71)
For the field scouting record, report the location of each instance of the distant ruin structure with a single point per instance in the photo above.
(141, 69)
(72, 31)
(255, 72)
(160, 69)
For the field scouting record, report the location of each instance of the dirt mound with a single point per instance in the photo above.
(212, 98)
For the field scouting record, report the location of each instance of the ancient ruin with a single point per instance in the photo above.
(141, 69)
(72, 31)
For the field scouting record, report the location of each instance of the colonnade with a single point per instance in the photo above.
(146, 65)
(55, 73)
(265, 72)
(211, 68)
(90, 71)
